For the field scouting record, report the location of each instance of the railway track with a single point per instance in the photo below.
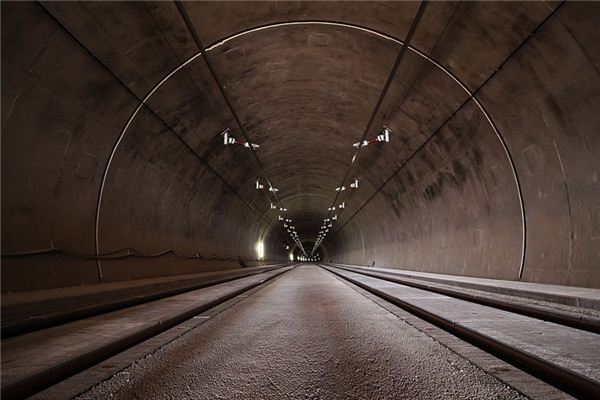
(24, 318)
(37, 360)
(560, 349)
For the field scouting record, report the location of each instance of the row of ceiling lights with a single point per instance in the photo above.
(383, 137)
(287, 222)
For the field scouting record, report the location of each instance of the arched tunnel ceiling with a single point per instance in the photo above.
(304, 78)
(300, 85)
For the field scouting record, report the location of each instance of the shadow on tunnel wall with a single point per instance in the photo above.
(505, 187)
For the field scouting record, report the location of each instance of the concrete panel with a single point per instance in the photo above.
(73, 74)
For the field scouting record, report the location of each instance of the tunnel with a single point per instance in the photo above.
(157, 140)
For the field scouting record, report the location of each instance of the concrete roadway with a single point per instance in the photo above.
(306, 335)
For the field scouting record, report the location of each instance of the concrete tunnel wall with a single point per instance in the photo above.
(503, 186)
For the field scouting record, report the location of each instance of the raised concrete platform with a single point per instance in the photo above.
(568, 295)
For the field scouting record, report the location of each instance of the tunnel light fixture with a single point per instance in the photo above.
(331, 209)
(358, 144)
(273, 206)
(383, 137)
(229, 140)
(260, 249)
(354, 184)
(330, 225)
(283, 209)
(334, 218)
(340, 189)
(280, 217)
(272, 189)
(342, 205)
(259, 186)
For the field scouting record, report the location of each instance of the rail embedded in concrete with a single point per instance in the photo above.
(38, 360)
(567, 318)
(577, 296)
(21, 318)
(565, 357)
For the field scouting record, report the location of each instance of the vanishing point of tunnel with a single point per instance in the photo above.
(300, 199)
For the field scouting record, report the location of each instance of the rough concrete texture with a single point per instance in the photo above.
(581, 299)
(35, 353)
(506, 186)
(305, 336)
(568, 348)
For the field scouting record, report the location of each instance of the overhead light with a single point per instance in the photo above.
(334, 218)
(340, 189)
(272, 189)
(331, 209)
(342, 205)
(253, 145)
(228, 139)
(354, 184)
(273, 206)
(383, 137)
(358, 144)
(259, 185)
(260, 249)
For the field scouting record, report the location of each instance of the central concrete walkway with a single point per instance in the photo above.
(306, 335)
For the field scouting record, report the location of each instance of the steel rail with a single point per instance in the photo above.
(571, 320)
(44, 379)
(62, 313)
(562, 378)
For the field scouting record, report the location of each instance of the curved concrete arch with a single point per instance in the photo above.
(304, 23)
(113, 124)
